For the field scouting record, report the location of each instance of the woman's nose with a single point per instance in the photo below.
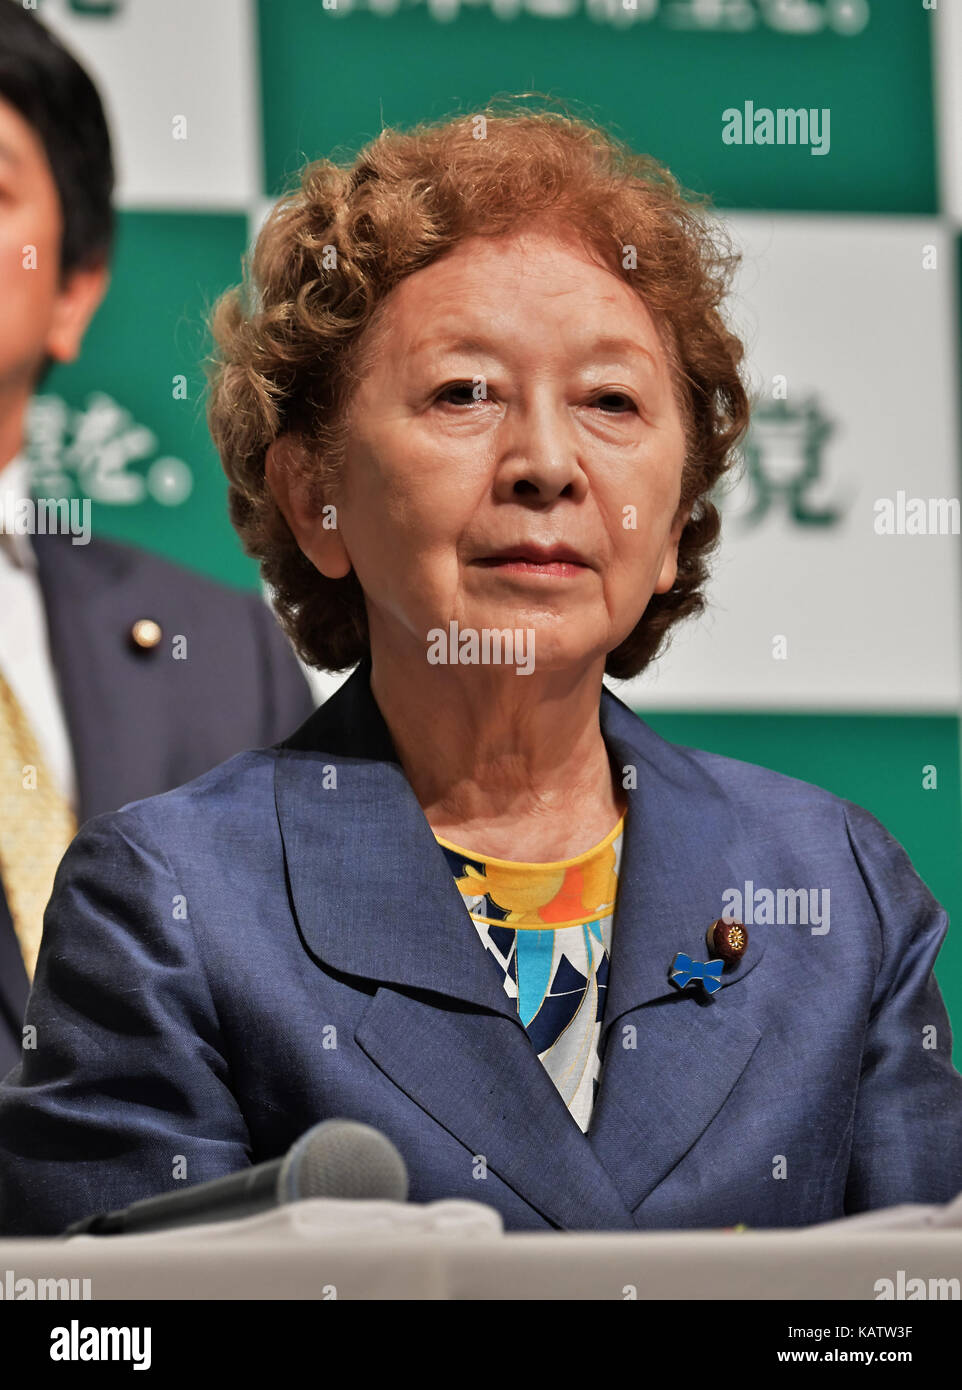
(537, 452)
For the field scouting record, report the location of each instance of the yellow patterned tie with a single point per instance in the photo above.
(36, 825)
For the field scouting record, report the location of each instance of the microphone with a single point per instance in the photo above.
(336, 1158)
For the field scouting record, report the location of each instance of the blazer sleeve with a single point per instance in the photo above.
(907, 1143)
(123, 1090)
(287, 696)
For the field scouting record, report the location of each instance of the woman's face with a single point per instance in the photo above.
(520, 397)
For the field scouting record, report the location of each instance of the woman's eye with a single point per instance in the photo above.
(464, 393)
(465, 389)
(625, 401)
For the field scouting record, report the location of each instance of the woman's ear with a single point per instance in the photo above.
(669, 567)
(288, 476)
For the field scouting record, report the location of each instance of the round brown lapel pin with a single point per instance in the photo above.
(727, 941)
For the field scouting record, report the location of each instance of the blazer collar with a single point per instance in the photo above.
(374, 898)
(371, 887)
(339, 780)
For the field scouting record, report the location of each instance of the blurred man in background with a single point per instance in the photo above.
(97, 705)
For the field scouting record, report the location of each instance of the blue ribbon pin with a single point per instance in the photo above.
(685, 971)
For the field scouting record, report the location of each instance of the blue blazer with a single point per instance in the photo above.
(281, 940)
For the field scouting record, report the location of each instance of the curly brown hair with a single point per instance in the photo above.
(295, 338)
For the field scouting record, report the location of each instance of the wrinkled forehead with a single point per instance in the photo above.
(447, 304)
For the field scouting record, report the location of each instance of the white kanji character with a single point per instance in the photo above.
(106, 439)
(738, 15)
(794, 16)
(47, 425)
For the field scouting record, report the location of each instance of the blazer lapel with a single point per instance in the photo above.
(670, 1057)
(374, 898)
(107, 717)
(478, 1075)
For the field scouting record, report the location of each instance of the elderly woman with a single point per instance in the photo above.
(471, 411)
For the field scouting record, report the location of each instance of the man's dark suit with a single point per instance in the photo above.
(139, 721)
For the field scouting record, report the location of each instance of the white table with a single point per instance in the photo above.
(455, 1250)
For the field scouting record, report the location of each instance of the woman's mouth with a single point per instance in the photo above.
(557, 561)
(565, 569)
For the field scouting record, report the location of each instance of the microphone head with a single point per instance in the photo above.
(343, 1158)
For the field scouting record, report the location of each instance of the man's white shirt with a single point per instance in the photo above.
(24, 639)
